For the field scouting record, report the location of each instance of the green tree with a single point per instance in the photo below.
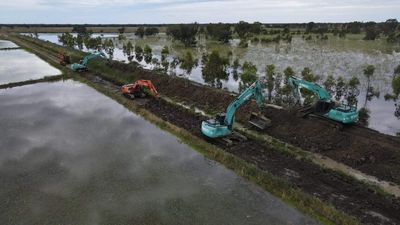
(108, 47)
(140, 32)
(396, 86)
(242, 29)
(308, 75)
(354, 27)
(214, 69)
(138, 53)
(148, 55)
(288, 73)
(67, 39)
(127, 49)
(235, 68)
(164, 53)
(188, 62)
(371, 91)
(220, 32)
(371, 31)
(151, 31)
(186, 33)
(363, 116)
(270, 75)
(353, 91)
(249, 74)
(329, 84)
(340, 88)
(121, 30)
(389, 26)
(310, 27)
(79, 40)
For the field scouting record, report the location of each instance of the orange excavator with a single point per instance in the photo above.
(64, 59)
(140, 89)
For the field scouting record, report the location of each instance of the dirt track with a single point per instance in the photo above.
(349, 146)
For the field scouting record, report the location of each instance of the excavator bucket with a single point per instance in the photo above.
(259, 121)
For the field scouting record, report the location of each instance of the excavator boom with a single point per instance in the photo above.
(326, 107)
(82, 65)
(222, 125)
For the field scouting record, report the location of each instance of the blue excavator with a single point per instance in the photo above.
(222, 124)
(82, 65)
(325, 106)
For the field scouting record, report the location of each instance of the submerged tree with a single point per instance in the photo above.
(127, 49)
(164, 53)
(340, 88)
(214, 69)
(235, 68)
(188, 62)
(138, 53)
(108, 47)
(363, 116)
(270, 75)
(248, 75)
(67, 39)
(140, 32)
(371, 92)
(186, 33)
(79, 40)
(148, 55)
(353, 91)
(329, 84)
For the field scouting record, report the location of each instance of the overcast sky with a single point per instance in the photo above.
(203, 11)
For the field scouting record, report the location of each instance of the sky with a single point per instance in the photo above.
(202, 11)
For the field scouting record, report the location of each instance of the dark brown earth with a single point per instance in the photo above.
(369, 151)
(361, 148)
(346, 194)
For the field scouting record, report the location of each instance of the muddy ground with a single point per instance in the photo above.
(361, 148)
(369, 151)
(345, 194)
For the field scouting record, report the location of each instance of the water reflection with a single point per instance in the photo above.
(19, 65)
(7, 44)
(73, 156)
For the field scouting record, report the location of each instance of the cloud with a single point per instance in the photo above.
(177, 11)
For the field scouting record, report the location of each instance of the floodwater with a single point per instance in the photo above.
(71, 155)
(7, 44)
(19, 65)
(337, 57)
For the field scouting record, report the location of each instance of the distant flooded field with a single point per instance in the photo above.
(19, 65)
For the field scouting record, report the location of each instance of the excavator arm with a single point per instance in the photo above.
(298, 83)
(222, 125)
(325, 107)
(254, 90)
(82, 65)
